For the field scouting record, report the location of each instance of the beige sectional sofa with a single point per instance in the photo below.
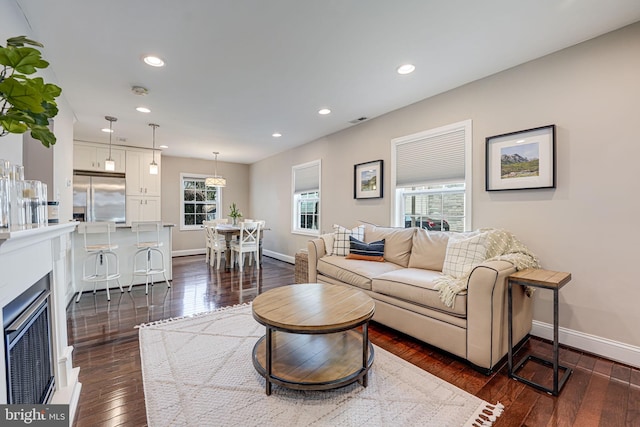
(403, 288)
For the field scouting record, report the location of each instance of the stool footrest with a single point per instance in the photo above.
(101, 277)
(149, 272)
(547, 363)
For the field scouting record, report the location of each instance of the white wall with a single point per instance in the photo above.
(12, 23)
(585, 226)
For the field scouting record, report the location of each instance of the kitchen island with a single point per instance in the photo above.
(126, 241)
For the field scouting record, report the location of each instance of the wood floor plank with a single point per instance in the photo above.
(106, 349)
(633, 408)
(615, 404)
(593, 401)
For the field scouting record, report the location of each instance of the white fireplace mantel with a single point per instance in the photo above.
(26, 255)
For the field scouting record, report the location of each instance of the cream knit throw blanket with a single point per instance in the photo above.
(500, 245)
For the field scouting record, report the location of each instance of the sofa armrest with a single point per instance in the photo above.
(487, 312)
(316, 251)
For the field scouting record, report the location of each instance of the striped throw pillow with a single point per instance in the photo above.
(373, 251)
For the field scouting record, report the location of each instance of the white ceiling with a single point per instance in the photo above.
(239, 70)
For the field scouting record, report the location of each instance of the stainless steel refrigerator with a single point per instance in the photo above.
(99, 197)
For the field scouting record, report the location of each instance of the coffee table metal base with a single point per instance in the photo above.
(313, 361)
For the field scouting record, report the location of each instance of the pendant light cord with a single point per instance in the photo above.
(154, 126)
(111, 120)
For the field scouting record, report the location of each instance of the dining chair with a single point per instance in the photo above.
(217, 246)
(207, 249)
(209, 242)
(247, 243)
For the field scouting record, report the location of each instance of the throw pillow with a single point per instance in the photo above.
(341, 238)
(463, 254)
(373, 251)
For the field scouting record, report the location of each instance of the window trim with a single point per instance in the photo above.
(397, 214)
(183, 176)
(294, 205)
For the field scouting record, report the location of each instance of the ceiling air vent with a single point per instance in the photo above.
(358, 120)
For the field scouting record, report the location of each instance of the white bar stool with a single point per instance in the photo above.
(147, 249)
(100, 251)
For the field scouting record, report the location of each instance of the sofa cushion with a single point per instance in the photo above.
(353, 271)
(417, 286)
(373, 251)
(397, 242)
(341, 238)
(429, 249)
(464, 253)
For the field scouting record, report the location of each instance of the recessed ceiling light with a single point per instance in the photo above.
(406, 69)
(276, 135)
(107, 130)
(163, 146)
(143, 109)
(324, 111)
(154, 61)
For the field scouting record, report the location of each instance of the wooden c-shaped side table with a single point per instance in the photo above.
(544, 279)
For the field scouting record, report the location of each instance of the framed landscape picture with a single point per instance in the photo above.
(521, 160)
(367, 180)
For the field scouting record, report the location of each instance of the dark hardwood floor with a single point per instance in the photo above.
(599, 392)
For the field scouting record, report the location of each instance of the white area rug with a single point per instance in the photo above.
(197, 371)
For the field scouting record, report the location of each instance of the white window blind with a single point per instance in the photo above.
(432, 158)
(306, 178)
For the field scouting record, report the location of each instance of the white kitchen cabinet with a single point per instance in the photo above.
(91, 157)
(139, 181)
(142, 208)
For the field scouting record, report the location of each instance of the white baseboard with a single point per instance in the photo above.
(265, 252)
(613, 350)
(187, 252)
(279, 256)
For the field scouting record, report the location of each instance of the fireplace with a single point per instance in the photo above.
(36, 281)
(28, 346)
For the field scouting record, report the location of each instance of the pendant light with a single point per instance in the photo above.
(110, 164)
(215, 180)
(153, 166)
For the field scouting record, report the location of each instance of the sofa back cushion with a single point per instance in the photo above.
(328, 238)
(429, 249)
(397, 242)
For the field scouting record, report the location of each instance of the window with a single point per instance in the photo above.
(431, 178)
(306, 198)
(198, 202)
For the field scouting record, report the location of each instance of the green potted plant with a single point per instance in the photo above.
(26, 103)
(234, 213)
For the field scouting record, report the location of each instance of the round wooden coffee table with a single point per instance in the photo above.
(313, 340)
